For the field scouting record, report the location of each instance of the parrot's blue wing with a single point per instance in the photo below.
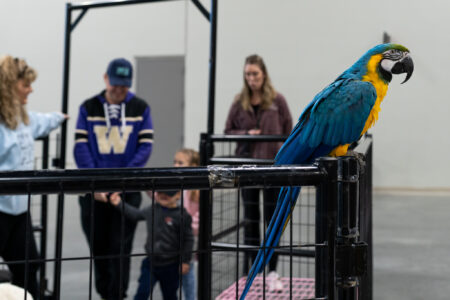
(336, 116)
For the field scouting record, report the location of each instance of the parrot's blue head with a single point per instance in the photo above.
(389, 59)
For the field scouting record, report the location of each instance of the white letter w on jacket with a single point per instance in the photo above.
(115, 140)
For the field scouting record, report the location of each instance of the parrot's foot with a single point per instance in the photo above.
(360, 157)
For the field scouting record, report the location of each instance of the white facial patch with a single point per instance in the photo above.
(388, 64)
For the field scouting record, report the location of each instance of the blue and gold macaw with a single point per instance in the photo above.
(338, 116)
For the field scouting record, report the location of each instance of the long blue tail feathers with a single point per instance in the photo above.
(286, 201)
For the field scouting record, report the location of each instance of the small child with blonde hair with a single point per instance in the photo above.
(189, 158)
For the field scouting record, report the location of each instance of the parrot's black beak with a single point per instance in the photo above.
(405, 65)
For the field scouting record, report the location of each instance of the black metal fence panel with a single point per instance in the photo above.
(343, 219)
(325, 249)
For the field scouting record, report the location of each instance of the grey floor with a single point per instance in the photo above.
(411, 249)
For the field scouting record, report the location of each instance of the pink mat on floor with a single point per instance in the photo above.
(302, 288)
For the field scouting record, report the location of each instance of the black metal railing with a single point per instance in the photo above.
(343, 273)
(205, 179)
(342, 223)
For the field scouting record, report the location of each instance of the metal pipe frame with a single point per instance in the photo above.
(334, 219)
(243, 138)
(141, 179)
(247, 138)
(102, 4)
(324, 173)
(43, 226)
(328, 193)
(326, 215)
(365, 226)
(69, 27)
(347, 234)
(205, 226)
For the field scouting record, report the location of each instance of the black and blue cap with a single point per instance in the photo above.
(168, 192)
(120, 72)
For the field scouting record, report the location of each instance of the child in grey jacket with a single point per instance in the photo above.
(169, 237)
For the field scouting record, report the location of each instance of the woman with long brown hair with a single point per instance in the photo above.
(18, 130)
(258, 109)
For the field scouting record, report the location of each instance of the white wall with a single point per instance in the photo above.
(305, 44)
(103, 34)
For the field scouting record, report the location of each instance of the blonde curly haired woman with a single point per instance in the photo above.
(18, 130)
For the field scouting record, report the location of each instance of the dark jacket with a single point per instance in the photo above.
(276, 120)
(108, 137)
(168, 231)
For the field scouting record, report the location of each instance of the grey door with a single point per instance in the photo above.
(160, 81)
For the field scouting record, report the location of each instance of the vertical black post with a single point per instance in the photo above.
(204, 242)
(204, 236)
(58, 246)
(326, 230)
(348, 227)
(65, 91)
(62, 152)
(366, 290)
(212, 67)
(348, 208)
(43, 243)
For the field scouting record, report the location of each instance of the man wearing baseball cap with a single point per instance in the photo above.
(114, 130)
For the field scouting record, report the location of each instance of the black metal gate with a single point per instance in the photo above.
(338, 258)
(329, 239)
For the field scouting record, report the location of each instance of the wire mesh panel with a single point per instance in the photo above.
(229, 265)
(323, 250)
(348, 215)
(244, 226)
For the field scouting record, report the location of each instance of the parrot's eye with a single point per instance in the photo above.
(393, 54)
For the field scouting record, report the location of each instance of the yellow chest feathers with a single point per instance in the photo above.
(381, 87)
